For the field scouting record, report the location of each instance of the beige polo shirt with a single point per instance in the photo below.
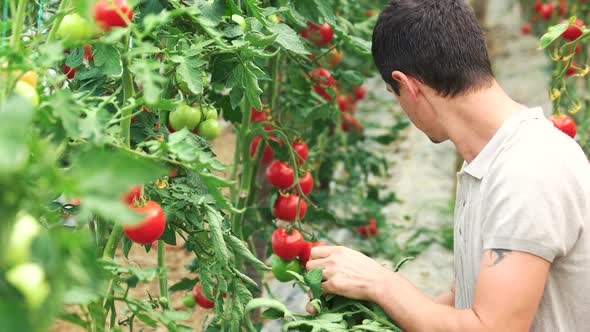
(529, 190)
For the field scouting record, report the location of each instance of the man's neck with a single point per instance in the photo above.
(472, 120)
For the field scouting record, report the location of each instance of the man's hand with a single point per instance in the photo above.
(347, 272)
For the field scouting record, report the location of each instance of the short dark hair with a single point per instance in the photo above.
(438, 42)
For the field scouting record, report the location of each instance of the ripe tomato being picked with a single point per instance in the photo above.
(281, 268)
(267, 154)
(112, 13)
(150, 228)
(320, 35)
(285, 207)
(564, 123)
(574, 31)
(287, 245)
(322, 79)
(306, 251)
(306, 183)
(200, 298)
(280, 175)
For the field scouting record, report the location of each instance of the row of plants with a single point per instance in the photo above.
(563, 34)
(107, 111)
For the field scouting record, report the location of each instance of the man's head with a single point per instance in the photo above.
(422, 46)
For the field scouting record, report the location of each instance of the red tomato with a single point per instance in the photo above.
(526, 29)
(571, 70)
(280, 175)
(267, 154)
(170, 129)
(537, 5)
(546, 10)
(334, 57)
(564, 123)
(257, 116)
(306, 183)
(285, 207)
(359, 92)
(322, 77)
(561, 8)
(320, 35)
(369, 13)
(574, 31)
(200, 298)
(110, 13)
(306, 251)
(134, 194)
(301, 150)
(151, 228)
(348, 121)
(88, 56)
(578, 49)
(370, 229)
(69, 72)
(287, 245)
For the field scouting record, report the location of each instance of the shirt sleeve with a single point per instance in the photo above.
(530, 211)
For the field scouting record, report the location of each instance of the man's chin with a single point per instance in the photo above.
(437, 140)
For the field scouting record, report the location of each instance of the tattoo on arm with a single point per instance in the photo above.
(498, 255)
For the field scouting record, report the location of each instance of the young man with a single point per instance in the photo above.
(522, 223)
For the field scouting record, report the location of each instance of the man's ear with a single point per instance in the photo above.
(406, 83)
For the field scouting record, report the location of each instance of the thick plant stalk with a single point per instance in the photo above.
(113, 242)
(163, 273)
(58, 20)
(17, 24)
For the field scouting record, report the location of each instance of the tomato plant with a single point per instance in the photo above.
(118, 83)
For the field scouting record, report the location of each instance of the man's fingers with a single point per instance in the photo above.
(310, 309)
(323, 251)
(317, 264)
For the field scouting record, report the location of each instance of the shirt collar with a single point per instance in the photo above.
(479, 166)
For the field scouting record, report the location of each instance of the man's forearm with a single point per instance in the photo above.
(414, 311)
(447, 299)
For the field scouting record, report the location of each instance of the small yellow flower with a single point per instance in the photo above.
(161, 183)
(567, 57)
(584, 71)
(555, 94)
(577, 106)
(556, 57)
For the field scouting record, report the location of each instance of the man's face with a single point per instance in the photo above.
(422, 114)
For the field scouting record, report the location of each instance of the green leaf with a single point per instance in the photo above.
(147, 74)
(15, 122)
(215, 221)
(190, 71)
(313, 279)
(176, 315)
(552, 34)
(81, 296)
(127, 244)
(146, 319)
(288, 39)
(240, 249)
(73, 318)
(107, 58)
(273, 313)
(183, 285)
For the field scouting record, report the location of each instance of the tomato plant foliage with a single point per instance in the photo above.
(133, 92)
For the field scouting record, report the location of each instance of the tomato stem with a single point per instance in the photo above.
(58, 20)
(113, 242)
(128, 92)
(162, 272)
(17, 24)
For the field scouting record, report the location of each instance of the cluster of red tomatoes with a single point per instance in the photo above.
(291, 253)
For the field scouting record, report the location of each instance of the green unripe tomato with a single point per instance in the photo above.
(185, 117)
(23, 233)
(26, 91)
(210, 129)
(240, 20)
(75, 28)
(209, 112)
(189, 301)
(29, 279)
(281, 267)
